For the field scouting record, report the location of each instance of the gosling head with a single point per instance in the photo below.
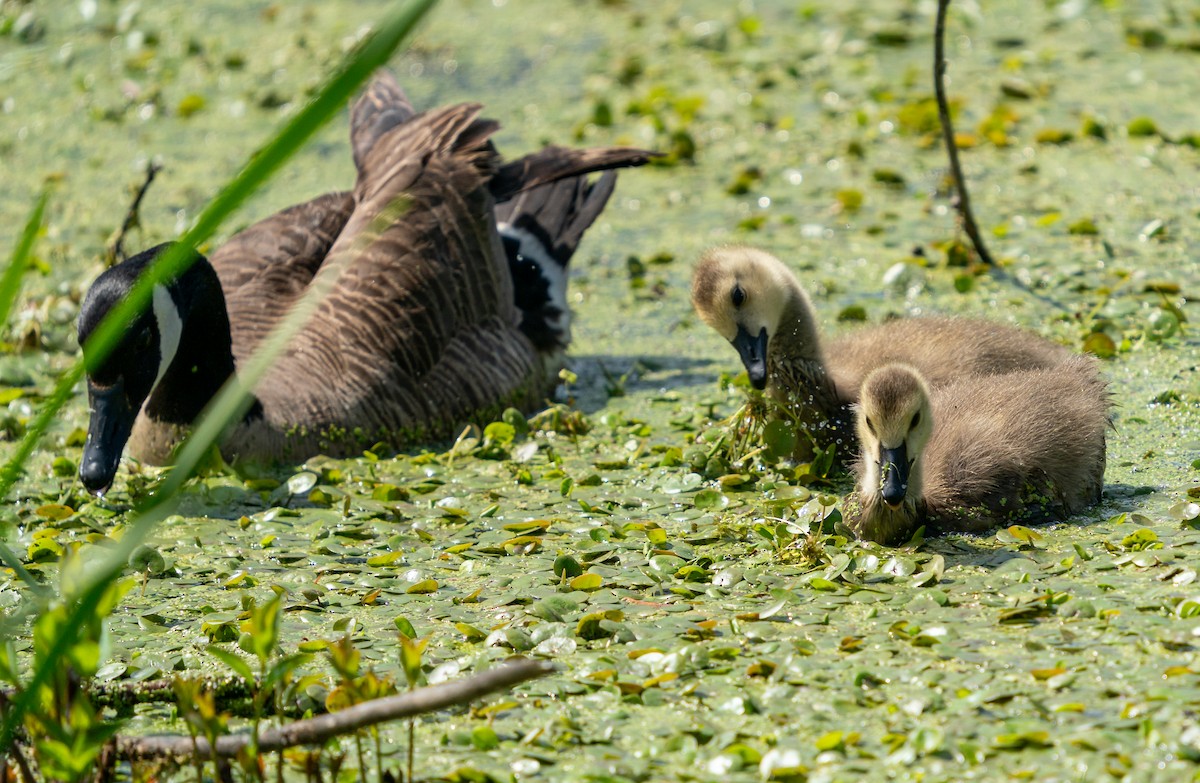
(121, 382)
(894, 421)
(744, 293)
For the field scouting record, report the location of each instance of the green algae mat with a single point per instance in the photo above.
(707, 617)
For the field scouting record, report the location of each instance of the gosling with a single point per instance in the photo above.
(978, 452)
(756, 303)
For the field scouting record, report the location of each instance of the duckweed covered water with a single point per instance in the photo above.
(703, 627)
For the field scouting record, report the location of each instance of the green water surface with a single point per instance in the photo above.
(706, 652)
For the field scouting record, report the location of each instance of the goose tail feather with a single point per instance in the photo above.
(380, 108)
(545, 203)
(541, 229)
(552, 163)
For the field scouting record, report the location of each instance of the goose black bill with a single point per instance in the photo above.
(109, 427)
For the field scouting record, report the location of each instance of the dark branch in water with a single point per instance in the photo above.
(316, 731)
(116, 251)
(232, 693)
(962, 202)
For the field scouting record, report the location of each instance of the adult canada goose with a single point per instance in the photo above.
(977, 452)
(429, 323)
(753, 300)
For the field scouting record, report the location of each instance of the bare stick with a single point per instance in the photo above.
(22, 764)
(116, 251)
(315, 731)
(962, 202)
(14, 750)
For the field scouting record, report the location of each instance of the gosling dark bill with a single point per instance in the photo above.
(893, 467)
(753, 351)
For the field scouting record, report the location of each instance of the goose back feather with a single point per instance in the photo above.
(421, 328)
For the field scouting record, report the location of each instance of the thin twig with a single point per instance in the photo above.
(25, 773)
(116, 252)
(22, 763)
(315, 731)
(962, 202)
(103, 769)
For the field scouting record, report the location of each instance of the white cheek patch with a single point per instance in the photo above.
(170, 329)
(555, 275)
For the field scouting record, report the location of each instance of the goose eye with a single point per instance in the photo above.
(915, 421)
(145, 340)
(739, 296)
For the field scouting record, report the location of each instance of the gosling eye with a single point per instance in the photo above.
(915, 421)
(738, 296)
(870, 427)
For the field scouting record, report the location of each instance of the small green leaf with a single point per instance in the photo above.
(423, 587)
(1100, 344)
(301, 483)
(190, 105)
(780, 439)
(586, 582)
(404, 626)
(1142, 126)
(55, 512)
(471, 633)
(565, 565)
(485, 738)
(709, 499)
(234, 663)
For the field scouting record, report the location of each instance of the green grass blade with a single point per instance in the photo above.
(10, 282)
(10, 288)
(373, 54)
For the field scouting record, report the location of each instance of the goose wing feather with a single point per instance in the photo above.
(382, 107)
(553, 163)
(264, 268)
(419, 327)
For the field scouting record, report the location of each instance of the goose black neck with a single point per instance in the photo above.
(204, 360)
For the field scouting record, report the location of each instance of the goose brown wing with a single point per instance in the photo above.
(419, 329)
(264, 268)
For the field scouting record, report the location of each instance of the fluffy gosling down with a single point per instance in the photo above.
(978, 452)
(754, 301)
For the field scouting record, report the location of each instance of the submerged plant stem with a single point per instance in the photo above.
(132, 217)
(962, 201)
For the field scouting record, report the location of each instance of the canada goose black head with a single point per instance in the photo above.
(755, 302)
(894, 420)
(185, 324)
